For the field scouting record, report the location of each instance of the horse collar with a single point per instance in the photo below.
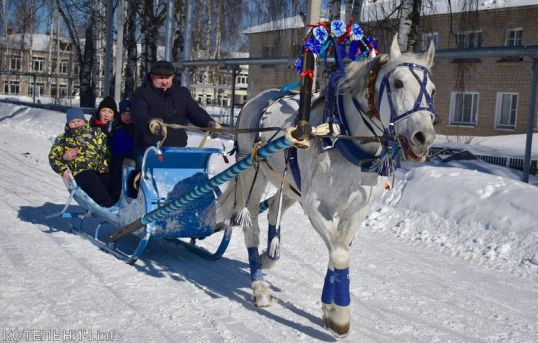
(371, 87)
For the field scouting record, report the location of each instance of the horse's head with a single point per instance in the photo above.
(397, 90)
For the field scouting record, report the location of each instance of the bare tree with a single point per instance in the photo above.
(334, 9)
(130, 47)
(73, 15)
(153, 16)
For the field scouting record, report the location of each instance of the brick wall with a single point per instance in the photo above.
(485, 76)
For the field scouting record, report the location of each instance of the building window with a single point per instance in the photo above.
(15, 62)
(38, 63)
(506, 110)
(39, 89)
(463, 108)
(514, 37)
(470, 40)
(200, 98)
(268, 52)
(208, 99)
(427, 37)
(64, 66)
(58, 90)
(12, 87)
(222, 99)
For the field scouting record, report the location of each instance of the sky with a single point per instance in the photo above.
(450, 254)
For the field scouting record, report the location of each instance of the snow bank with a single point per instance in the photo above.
(39, 122)
(477, 216)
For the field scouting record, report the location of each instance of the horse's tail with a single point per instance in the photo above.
(236, 197)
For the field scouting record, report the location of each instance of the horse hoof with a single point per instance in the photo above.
(337, 330)
(262, 300)
(261, 294)
(267, 262)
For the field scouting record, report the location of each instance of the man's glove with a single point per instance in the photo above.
(214, 125)
(157, 128)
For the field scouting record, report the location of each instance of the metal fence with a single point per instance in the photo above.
(504, 161)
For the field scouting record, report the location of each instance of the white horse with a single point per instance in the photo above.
(335, 187)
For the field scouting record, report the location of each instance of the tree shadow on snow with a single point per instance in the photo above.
(38, 215)
(14, 114)
(223, 278)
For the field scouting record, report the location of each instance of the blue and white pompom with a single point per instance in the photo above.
(320, 33)
(299, 64)
(357, 31)
(313, 45)
(338, 28)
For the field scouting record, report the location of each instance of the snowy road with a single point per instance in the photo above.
(403, 290)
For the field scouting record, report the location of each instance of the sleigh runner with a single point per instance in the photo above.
(166, 174)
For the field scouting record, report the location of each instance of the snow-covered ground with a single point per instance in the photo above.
(449, 255)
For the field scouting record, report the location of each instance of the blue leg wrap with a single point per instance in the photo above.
(273, 232)
(327, 295)
(255, 264)
(341, 284)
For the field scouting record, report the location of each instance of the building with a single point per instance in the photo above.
(212, 85)
(37, 66)
(488, 96)
(275, 39)
(474, 97)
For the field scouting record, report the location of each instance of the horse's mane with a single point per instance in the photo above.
(358, 73)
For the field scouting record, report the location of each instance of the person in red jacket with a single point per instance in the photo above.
(104, 116)
(162, 97)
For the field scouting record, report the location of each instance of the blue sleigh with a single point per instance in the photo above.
(166, 174)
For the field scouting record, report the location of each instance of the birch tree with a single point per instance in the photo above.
(409, 23)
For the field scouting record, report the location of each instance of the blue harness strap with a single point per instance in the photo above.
(294, 166)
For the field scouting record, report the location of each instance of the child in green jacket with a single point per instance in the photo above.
(81, 153)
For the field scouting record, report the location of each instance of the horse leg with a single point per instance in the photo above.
(252, 190)
(272, 253)
(337, 315)
(335, 296)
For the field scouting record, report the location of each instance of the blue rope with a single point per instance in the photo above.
(219, 179)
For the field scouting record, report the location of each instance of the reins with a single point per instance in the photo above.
(233, 132)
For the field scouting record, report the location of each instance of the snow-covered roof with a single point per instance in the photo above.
(40, 41)
(238, 54)
(282, 24)
(375, 9)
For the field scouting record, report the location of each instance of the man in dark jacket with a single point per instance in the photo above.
(162, 97)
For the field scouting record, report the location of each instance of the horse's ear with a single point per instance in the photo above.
(429, 55)
(395, 51)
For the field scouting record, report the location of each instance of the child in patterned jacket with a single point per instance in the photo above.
(81, 153)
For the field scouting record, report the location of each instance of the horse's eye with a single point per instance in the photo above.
(398, 83)
(433, 93)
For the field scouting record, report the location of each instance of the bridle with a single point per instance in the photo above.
(391, 145)
(422, 95)
(373, 105)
